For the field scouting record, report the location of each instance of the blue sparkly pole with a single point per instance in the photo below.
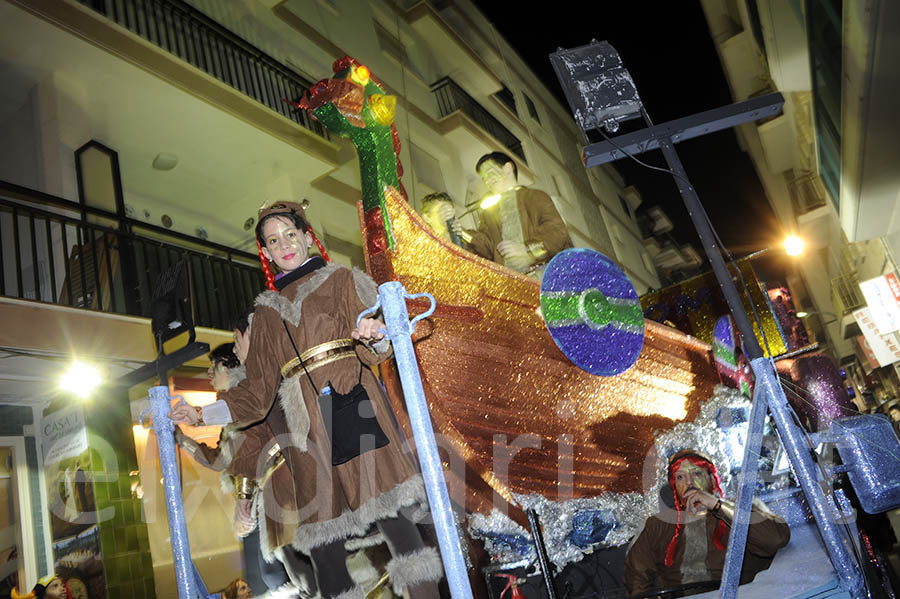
(737, 538)
(392, 299)
(186, 576)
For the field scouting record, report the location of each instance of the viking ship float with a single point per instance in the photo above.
(520, 425)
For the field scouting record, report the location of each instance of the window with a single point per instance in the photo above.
(391, 46)
(532, 109)
(507, 98)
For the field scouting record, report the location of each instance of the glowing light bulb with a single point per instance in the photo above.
(489, 201)
(802, 314)
(793, 245)
(81, 379)
(360, 75)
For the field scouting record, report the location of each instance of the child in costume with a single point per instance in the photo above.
(337, 434)
(48, 587)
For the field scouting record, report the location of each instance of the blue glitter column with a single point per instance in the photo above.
(160, 405)
(391, 297)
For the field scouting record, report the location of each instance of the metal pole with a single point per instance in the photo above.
(791, 435)
(160, 405)
(392, 299)
(541, 550)
(737, 538)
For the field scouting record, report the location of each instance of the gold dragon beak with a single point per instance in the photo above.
(383, 108)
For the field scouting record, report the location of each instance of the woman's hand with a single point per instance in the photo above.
(697, 501)
(368, 330)
(185, 414)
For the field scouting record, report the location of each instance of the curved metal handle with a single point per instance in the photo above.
(141, 419)
(368, 311)
(426, 313)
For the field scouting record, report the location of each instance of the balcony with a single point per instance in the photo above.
(191, 36)
(470, 127)
(453, 54)
(51, 255)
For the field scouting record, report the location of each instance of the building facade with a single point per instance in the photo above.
(828, 162)
(140, 132)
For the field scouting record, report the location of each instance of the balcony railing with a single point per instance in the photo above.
(451, 97)
(807, 193)
(846, 295)
(187, 33)
(49, 254)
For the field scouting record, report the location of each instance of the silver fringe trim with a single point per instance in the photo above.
(628, 511)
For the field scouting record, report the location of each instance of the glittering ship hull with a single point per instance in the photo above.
(512, 414)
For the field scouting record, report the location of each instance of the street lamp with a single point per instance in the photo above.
(793, 245)
(81, 379)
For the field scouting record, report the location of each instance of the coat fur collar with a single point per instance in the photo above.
(290, 310)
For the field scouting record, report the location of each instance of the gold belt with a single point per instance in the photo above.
(317, 356)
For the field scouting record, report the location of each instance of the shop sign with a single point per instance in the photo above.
(883, 298)
(63, 434)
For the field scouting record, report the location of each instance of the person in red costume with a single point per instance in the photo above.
(688, 545)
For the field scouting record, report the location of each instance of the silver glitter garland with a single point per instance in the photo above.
(506, 541)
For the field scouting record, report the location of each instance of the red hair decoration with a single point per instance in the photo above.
(721, 529)
(267, 270)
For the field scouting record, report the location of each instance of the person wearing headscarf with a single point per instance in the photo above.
(687, 543)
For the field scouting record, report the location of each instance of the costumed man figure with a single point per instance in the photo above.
(523, 230)
(689, 545)
(437, 209)
(344, 454)
(48, 587)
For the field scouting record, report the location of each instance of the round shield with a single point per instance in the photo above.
(592, 311)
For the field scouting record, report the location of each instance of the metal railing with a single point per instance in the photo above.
(451, 97)
(807, 193)
(187, 33)
(845, 294)
(49, 254)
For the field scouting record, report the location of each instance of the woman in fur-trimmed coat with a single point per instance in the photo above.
(355, 475)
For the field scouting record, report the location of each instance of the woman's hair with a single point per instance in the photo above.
(295, 219)
(224, 355)
(231, 590)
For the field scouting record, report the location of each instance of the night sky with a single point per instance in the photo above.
(670, 54)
